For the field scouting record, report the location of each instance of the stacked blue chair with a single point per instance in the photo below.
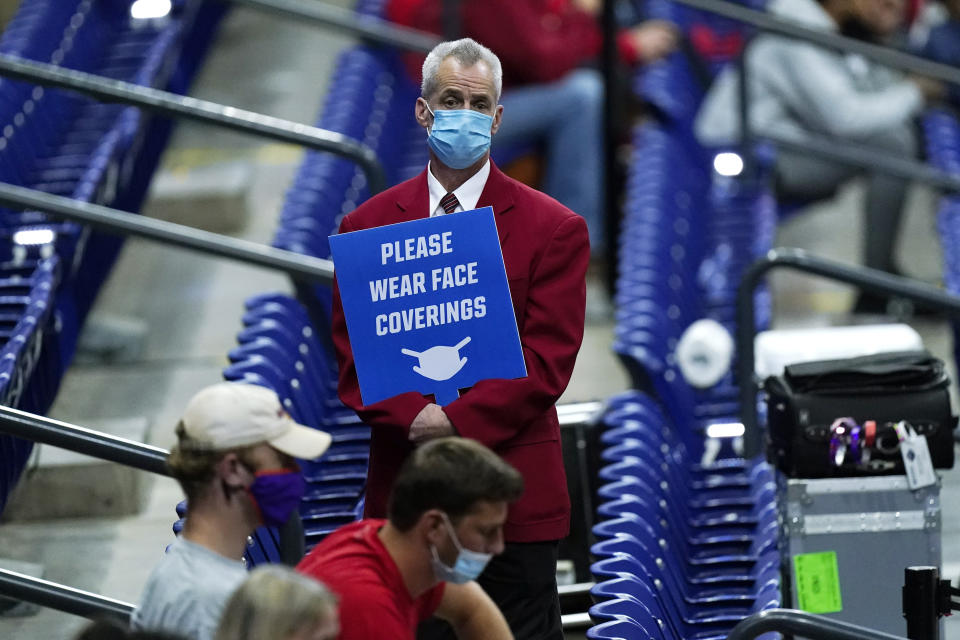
(688, 235)
(941, 128)
(61, 143)
(29, 354)
(684, 550)
(686, 239)
(64, 144)
(278, 348)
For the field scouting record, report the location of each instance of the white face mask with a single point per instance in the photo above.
(468, 565)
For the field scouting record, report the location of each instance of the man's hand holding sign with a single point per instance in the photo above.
(482, 309)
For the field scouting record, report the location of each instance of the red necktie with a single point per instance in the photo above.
(449, 202)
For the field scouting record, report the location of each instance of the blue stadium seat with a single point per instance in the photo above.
(61, 143)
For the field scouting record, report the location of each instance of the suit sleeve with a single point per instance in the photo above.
(396, 412)
(495, 411)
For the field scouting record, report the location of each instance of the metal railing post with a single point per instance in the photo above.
(82, 440)
(611, 178)
(871, 280)
(177, 106)
(921, 600)
(61, 597)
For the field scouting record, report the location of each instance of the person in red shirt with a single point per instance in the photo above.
(446, 516)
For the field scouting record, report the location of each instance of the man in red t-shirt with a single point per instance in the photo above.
(446, 516)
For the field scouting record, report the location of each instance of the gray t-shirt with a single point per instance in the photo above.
(187, 591)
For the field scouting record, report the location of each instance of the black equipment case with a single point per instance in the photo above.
(885, 388)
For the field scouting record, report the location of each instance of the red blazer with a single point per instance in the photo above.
(546, 251)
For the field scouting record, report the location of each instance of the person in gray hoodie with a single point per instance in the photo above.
(800, 90)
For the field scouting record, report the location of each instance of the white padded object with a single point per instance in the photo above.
(779, 348)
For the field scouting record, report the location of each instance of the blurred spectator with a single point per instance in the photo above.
(446, 516)
(234, 461)
(552, 97)
(943, 44)
(110, 630)
(276, 603)
(800, 90)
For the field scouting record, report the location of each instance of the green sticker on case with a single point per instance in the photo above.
(818, 582)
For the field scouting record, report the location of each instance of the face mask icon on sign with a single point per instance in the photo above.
(439, 363)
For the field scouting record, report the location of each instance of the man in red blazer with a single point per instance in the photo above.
(546, 250)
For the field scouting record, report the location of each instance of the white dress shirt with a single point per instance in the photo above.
(467, 194)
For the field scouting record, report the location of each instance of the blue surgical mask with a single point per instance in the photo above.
(468, 565)
(459, 137)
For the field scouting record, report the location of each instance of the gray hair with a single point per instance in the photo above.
(467, 52)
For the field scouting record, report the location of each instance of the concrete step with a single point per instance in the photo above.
(63, 484)
(212, 197)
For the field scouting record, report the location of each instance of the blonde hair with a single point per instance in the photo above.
(274, 603)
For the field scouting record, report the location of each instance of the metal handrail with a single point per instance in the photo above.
(803, 624)
(860, 156)
(79, 439)
(177, 106)
(867, 279)
(298, 266)
(772, 24)
(61, 597)
(368, 28)
(90, 442)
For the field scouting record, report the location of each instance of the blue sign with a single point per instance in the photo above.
(428, 306)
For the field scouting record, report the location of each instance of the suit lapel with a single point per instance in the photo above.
(413, 199)
(499, 194)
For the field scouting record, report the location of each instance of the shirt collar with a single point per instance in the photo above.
(468, 194)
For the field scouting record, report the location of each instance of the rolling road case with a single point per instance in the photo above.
(845, 543)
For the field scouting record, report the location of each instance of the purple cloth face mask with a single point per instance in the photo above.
(277, 494)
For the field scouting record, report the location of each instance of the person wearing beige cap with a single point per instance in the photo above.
(235, 459)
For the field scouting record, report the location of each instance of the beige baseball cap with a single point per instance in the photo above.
(228, 415)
